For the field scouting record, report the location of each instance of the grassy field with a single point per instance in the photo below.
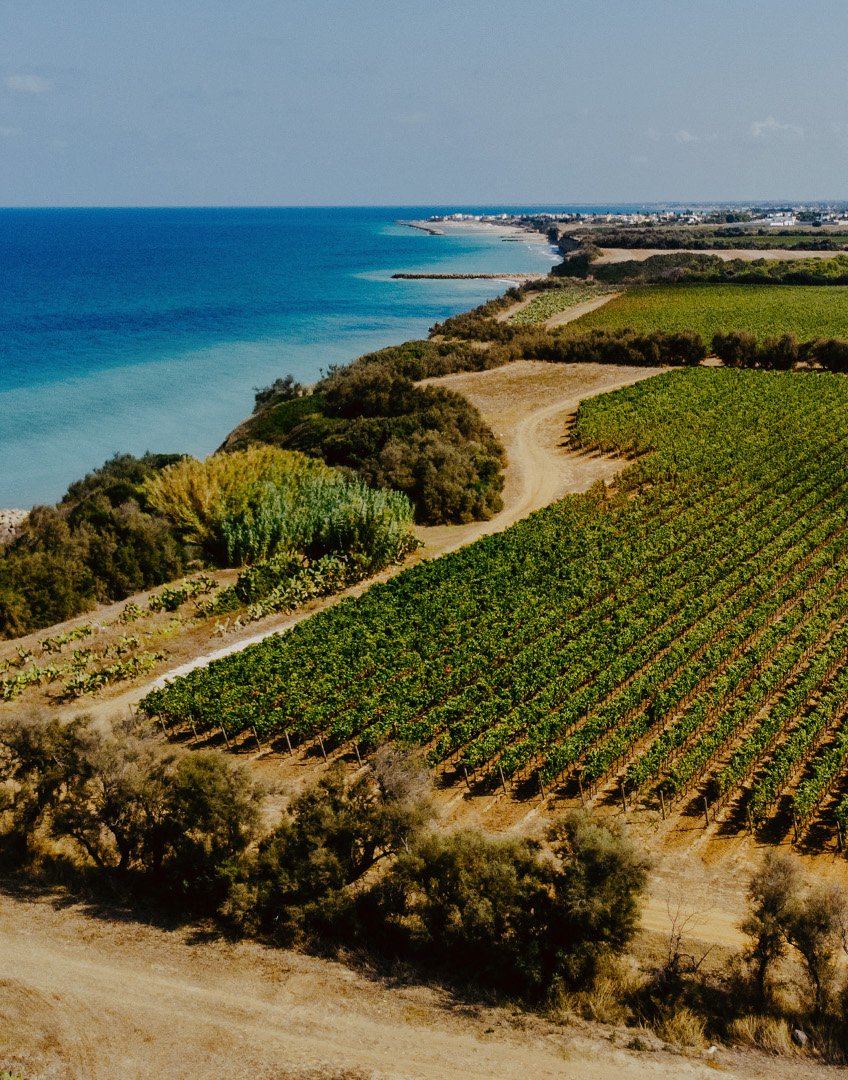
(809, 311)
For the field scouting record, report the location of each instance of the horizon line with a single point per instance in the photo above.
(428, 205)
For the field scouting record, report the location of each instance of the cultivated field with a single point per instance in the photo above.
(809, 311)
(552, 302)
(683, 639)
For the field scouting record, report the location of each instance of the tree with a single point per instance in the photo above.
(284, 389)
(816, 928)
(736, 349)
(332, 836)
(813, 921)
(774, 894)
(147, 817)
(598, 888)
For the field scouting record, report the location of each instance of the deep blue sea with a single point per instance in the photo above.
(135, 330)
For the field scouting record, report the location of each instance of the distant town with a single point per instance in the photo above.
(806, 215)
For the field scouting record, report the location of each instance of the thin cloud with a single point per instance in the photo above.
(771, 129)
(7, 132)
(27, 84)
(684, 136)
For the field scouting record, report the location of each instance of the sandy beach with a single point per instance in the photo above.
(506, 232)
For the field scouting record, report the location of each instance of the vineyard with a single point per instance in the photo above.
(554, 301)
(681, 642)
(809, 311)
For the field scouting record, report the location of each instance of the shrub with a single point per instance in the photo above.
(830, 353)
(331, 837)
(502, 912)
(151, 819)
(773, 894)
(284, 389)
(736, 349)
(326, 514)
(817, 928)
(472, 905)
(101, 543)
(780, 353)
(764, 1032)
(198, 497)
(682, 1027)
(623, 346)
(251, 504)
(372, 418)
(785, 912)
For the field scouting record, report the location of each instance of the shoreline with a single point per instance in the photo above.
(85, 388)
(506, 276)
(506, 232)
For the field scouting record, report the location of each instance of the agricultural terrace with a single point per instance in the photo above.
(808, 311)
(685, 636)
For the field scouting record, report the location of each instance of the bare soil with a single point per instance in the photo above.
(529, 404)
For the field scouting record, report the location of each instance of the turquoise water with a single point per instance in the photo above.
(135, 330)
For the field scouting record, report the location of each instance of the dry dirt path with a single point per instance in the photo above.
(528, 404)
(85, 998)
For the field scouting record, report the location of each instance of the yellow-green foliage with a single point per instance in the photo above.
(198, 495)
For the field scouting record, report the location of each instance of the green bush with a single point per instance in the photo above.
(332, 836)
(506, 913)
(327, 514)
(426, 442)
(155, 821)
(102, 542)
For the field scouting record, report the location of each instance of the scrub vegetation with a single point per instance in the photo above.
(304, 528)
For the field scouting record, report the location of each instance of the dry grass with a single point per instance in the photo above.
(605, 1001)
(763, 1032)
(682, 1028)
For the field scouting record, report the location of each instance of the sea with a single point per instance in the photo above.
(127, 330)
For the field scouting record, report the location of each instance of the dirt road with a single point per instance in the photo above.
(84, 998)
(528, 405)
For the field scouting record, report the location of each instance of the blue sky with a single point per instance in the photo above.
(304, 102)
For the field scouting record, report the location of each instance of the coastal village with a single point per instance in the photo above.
(772, 217)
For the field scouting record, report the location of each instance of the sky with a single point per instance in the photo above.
(421, 102)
